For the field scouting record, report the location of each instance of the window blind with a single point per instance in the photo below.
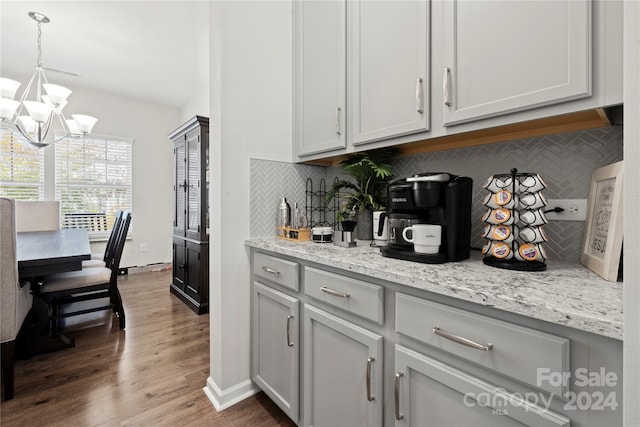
(21, 168)
(93, 181)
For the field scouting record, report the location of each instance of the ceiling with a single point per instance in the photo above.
(156, 51)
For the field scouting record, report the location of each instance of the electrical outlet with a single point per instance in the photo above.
(143, 247)
(574, 209)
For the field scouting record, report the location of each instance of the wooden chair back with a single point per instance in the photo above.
(113, 236)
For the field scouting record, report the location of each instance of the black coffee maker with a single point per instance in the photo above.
(430, 198)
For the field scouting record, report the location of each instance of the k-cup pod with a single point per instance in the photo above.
(500, 216)
(511, 184)
(503, 233)
(531, 183)
(501, 250)
(532, 200)
(530, 252)
(501, 199)
(533, 217)
(495, 183)
(532, 235)
(488, 247)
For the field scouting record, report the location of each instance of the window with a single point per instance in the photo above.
(21, 169)
(93, 180)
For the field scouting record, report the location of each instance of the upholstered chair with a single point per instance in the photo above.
(15, 299)
(37, 215)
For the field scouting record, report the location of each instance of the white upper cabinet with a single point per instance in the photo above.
(320, 76)
(389, 69)
(501, 57)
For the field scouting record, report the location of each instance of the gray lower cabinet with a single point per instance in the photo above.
(320, 340)
(275, 347)
(342, 372)
(428, 392)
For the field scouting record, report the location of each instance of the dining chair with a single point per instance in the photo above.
(37, 215)
(100, 259)
(88, 284)
(15, 297)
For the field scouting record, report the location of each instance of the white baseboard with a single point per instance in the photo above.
(161, 266)
(222, 400)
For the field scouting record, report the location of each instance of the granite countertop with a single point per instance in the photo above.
(566, 293)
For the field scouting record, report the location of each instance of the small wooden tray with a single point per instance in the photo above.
(294, 234)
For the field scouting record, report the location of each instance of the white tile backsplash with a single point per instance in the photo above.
(565, 161)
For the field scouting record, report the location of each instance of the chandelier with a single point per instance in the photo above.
(37, 117)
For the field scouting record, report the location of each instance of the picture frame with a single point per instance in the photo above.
(602, 244)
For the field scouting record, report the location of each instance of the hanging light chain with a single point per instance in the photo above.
(39, 44)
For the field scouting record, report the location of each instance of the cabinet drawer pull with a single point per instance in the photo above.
(334, 293)
(369, 362)
(338, 121)
(271, 270)
(461, 340)
(289, 343)
(396, 396)
(419, 96)
(445, 86)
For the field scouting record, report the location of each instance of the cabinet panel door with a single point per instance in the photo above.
(193, 283)
(390, 69)
(193, 191)
(501, 57)
(320, 76)
(179, 268)
(179, 189)
(431, 393)
(275, 347)
(338, 358)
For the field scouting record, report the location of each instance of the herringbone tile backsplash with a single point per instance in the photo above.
(564, 161)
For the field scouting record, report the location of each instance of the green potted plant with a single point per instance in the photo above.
(366, 191)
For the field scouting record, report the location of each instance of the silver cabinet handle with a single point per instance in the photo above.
(461, 340)
(338, 121)
(334, 293)
(445, 86)
(396, 396)
(289, 343)
(271, 270)
(369, 362)
(419, 96)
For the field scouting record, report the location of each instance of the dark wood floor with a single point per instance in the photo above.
(150, 374)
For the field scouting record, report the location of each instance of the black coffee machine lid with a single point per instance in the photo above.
(430, 177)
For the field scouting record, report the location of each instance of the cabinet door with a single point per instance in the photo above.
(390, 69)
(342, 372)
(179, 269)
(275, 349)
(430, 393)
(320, 75)
(179, 188)
(193, 190)
(501, 57)
(193, 260)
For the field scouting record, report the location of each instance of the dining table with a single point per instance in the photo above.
(39, 254)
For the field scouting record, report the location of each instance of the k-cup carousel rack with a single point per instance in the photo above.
(514, 218)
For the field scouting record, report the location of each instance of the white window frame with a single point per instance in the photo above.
(101, 174)
(10, 171)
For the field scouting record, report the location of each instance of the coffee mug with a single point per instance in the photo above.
(426, 238)
(380, 228)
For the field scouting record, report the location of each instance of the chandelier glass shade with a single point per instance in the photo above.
(36, 116)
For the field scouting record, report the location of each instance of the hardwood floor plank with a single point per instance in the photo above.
(151, 374)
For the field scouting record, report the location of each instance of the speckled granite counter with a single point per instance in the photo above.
(566, 294)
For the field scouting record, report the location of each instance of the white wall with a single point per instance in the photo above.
(148, 124)
(632, 207)
(199, 104)
(251, 75)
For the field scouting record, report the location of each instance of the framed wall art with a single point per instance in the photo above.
(603, 234)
